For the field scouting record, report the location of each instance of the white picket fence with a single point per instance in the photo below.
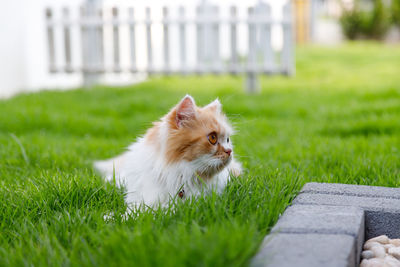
(205, 27)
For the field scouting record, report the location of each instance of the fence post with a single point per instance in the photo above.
(182, 39)
(234, 54)
(166, 40)
(132, 39)
(148, 40)
(67, 40)
(252, 83)
(288, 64)
(50, 40)
(91, 43)
(207, 37)
(199, 36)
(215, 51)
(117, 67)
(100, 40)
(263, 12)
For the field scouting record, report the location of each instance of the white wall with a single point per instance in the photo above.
(23, 54)
(12, 70)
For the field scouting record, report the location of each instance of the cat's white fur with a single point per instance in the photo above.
(149, 179)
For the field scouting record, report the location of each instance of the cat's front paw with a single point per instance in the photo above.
(235, 168)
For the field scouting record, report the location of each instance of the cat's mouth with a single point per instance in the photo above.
(223, 162)
(225, 159)
(217, 165)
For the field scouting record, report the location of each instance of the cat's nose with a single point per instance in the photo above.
(228, 151)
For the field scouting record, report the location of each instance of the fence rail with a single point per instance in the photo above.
(260, 58)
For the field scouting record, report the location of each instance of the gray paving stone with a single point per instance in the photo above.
(367, 203)
(306, 250)
(323, 220)
(354, 190)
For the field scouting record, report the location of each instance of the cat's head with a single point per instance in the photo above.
(200, 135)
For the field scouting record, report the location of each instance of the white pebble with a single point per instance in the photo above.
(391, 261)
(367, 254)
(369, 245)
(395, 252)
(383, 239)
(379, 251)
(372, 263)
(388, 246)
(395, 242)
(364, 263)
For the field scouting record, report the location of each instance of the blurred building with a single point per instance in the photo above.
(317, 21)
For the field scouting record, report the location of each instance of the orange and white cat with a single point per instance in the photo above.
(187, 152)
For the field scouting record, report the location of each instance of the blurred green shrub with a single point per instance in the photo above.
(396, 12)
(379, 21)
(373, 24)
(351, 23)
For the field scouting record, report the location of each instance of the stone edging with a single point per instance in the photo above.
(327, 225)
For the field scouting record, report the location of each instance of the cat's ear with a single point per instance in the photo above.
(215, 106)
(185, 111)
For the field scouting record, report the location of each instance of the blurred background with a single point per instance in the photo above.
(67, 44)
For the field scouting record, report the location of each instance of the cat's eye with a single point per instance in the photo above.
(227, 140)
(212, 138)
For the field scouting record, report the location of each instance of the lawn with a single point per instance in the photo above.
(337, 120)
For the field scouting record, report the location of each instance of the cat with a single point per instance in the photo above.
(187, 152)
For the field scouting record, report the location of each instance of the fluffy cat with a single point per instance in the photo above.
(188, 151)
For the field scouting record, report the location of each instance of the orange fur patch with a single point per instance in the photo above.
(190, 140)
(152, 135)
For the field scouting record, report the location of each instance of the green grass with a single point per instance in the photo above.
(337, 120)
